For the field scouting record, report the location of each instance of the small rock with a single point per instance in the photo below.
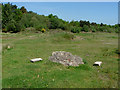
(97, 63)
(8, 47)
(36, 59)
(38, 76)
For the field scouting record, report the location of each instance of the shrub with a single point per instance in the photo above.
(43, 30)
(39, 27)
(75, 29)
(54, 23)
(102, 29)
(109, 30)
(11, 27)
(19, 27)
(68, 36)
(4, 30)
(66, 27)
(62, 26)
(93, 29)
(117, 30)
(34, 21)
(24, 20)
(118, 59)
(117, 51)
(85, 28)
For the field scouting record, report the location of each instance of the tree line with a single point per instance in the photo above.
(16, 19)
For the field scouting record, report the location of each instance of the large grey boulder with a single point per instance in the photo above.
(66, 58)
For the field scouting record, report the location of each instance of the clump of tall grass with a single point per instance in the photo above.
(68, 36)
(62, 36)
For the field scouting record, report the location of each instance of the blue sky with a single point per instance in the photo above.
(99, 12)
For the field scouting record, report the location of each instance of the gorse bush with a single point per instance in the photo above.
(43, 30)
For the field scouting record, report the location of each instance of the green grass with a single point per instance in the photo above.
(19, 72)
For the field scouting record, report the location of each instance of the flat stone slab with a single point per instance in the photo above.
(36, 59)
(97, 63)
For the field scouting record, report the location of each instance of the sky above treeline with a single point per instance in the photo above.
(99, 12)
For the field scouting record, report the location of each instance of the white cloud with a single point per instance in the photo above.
(59, 0)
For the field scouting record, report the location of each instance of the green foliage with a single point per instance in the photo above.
(20, 26)
(110, 30)
(11, 26)
(11, 16)
(23, 9)
(76, 29)
(68, 36)
(75, 23)
(117, 51)
(85, 28)
(73, 30)
(64, 27)
(17, 15)
(34, 21)
(24, 19)
(117, 30)
(54, 23)
(101, 29)
(92, 28)
(85, 61)
(118, 59)
(38, 27)
(82, 23)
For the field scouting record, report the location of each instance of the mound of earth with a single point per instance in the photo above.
(66, 58)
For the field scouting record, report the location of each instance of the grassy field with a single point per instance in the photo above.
(19, 72)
